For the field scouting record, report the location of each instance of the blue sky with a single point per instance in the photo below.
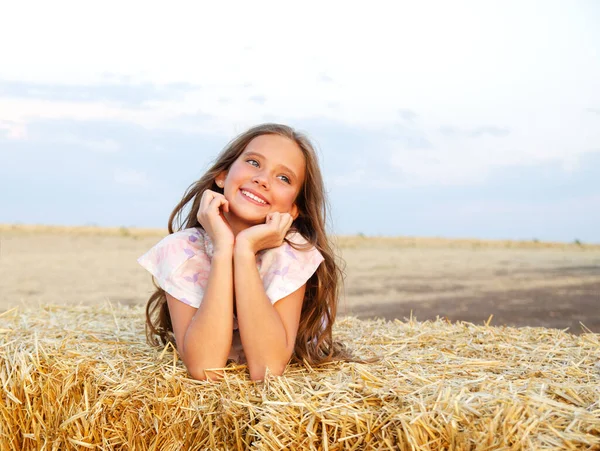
(455, 119)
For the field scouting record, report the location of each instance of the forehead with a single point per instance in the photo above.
(280, 151)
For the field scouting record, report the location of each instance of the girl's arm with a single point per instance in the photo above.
(204, 335)
(268, 332)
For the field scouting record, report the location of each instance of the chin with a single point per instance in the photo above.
(250, 218)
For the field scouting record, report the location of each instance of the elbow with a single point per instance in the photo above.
(258, 372)
(197, 374)
(275, 366)
(204, 374)
(204, 368)
(206, 371)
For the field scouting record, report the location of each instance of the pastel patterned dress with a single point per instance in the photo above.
(180, 264)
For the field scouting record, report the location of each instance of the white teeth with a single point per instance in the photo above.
(253, 197)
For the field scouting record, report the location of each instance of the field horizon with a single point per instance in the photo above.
(341, 239)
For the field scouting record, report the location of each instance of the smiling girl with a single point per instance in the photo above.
(250, 276)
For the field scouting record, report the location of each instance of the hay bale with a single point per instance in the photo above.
(83, 378)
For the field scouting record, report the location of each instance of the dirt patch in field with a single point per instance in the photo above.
(536, 307)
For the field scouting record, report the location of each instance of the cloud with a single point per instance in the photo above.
(448, 130)
(82, 135)
(123, 94)
(418, 155)
(259, 99)
(520, 202)
(13, 130)
(198, 121)
(480, 113)
(410, 139)
(498, 132)
(118, 78)
(425, 191)
(102, 145)
(475, 132)
(407, 115)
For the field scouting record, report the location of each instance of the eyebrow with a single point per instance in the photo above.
(285, 168)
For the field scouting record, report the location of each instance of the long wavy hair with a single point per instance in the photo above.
(314, 341)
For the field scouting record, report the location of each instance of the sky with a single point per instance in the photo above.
(450, 119)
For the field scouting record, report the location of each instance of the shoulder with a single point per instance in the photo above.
(175, 249)
(299, 248)
(297, 239)
(180, 264)
(286, 268)
(189, 240)
(191, 237)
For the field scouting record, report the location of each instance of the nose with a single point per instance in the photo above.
(261, 179)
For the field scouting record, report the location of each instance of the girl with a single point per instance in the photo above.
(251, 276)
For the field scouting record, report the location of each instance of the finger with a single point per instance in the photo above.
(289, 220)
(207, 197)
(215, 204)
(286, 223)
(276, 221)
(283, 224)
(221, 203)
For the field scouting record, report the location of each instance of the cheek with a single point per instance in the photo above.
(234, 176)
(236, 168)
(290, 197)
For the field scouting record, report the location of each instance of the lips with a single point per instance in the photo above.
(254, 197)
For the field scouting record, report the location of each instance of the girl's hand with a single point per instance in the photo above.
(265, 236)
(212, 220)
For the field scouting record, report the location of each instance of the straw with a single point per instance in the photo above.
(82, 377)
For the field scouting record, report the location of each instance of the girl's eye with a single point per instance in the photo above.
(285, 178)
(253, 162)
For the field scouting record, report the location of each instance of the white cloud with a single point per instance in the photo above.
(25, 110)
(451, 54)
(452, 64)
(105, 145)
(536, 136)
(14, 131)
(577, 205)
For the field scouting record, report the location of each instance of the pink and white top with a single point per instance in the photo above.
(180, 263)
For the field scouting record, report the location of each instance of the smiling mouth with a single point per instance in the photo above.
(253, 198)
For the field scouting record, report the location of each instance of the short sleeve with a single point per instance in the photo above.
(285, 269)
(180, 265)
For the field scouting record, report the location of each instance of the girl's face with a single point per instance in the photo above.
(265, 178)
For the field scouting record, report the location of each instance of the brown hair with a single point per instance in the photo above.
(314, 342)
